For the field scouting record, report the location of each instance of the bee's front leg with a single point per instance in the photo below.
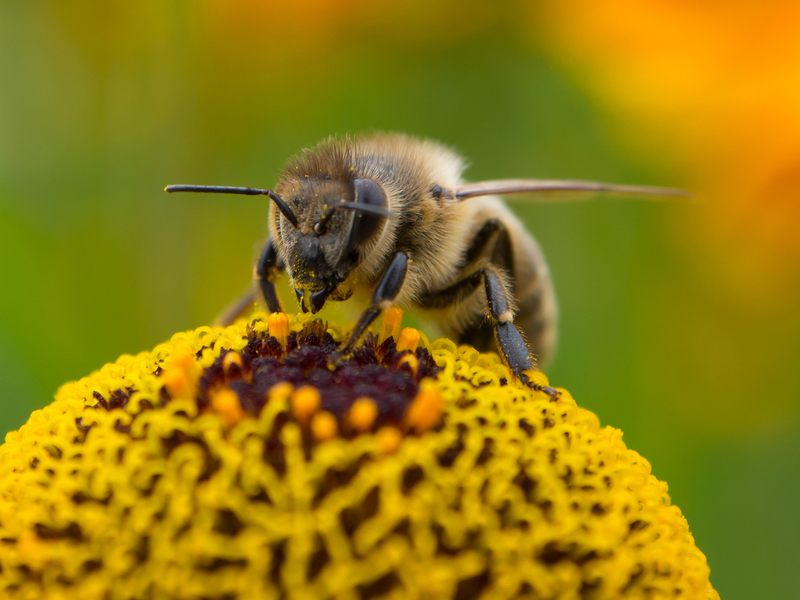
(268, 264)
(383, 297)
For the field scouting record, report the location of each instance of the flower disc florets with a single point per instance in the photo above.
(240, 463)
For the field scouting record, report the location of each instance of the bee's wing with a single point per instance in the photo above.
(563, 189)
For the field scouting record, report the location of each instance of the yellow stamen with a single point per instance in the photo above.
(390, 327)
(279, 327)
(410, 360)
(425, 410)
(387, 439)
(323, 426)
(409, 338)
(363, 414)
(305, 402)
(226, 403)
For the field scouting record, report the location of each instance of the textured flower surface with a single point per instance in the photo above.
(235, 463)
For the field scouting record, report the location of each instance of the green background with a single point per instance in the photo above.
(102, 105)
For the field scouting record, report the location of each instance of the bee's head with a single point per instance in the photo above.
(337, 218)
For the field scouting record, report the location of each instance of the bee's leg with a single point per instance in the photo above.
(494, 230)
(512, 346)
(499, 299)
(383, 297)
(268, 264)
(501, 251)
(492, 233)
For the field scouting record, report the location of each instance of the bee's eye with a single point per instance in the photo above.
(320, 227)
(366, 224)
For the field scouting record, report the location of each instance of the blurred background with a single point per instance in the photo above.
(679, 321)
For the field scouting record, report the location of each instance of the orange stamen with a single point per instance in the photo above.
(410, 360)
(363, 414)
(305, 402)
(279, 327)
(409, 338)
(231, 358)
(388, 439)
(425, 410)
(180, 377)
(390, 327)
(226, 403)
(280, 391)
(323, 426)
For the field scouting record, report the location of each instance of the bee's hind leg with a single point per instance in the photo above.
(510, 343)
(512, 346)
(492, 234)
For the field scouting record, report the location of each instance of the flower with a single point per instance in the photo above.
(235, 463)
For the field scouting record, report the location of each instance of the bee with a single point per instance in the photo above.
(392, 213)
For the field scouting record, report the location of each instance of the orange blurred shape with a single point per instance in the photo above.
(305, 402)
(181, 374)
(363, 414)
(225, 402)
(426, 409)
(714, 89)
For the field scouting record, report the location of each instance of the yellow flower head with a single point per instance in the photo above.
(234, 464)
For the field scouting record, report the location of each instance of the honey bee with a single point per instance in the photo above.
(393, 213)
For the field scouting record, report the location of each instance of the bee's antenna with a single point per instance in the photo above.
(221, 189)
